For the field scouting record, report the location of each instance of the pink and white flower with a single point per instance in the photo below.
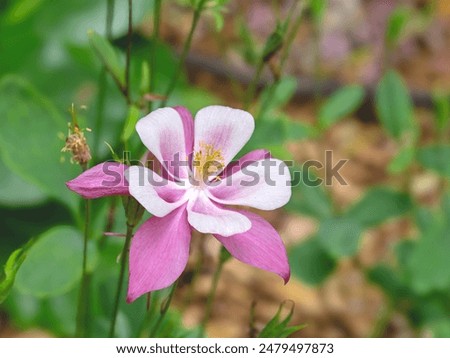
(196, 195)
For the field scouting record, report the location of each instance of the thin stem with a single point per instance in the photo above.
(291, 35)
(185, 51)
(212, 293)
(164, 308)
(128, 56)
(123, 264)
(154, 44)
(81, 317)
(250, 94)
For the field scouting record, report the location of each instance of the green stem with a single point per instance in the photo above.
(123, 264)
(184, 53)
(128, 56)
(212, 293)
(81, 318)
(164, 308)
(250, 94)
(155, 39)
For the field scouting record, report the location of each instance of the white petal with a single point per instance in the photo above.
(162, 132)
(264, 184)
(225, 128)
(208, 217)
(157, 195)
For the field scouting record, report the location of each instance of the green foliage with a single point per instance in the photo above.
(108, 56)
(394, 105)
(29, 143)
(16, 192)
(435, 157)
(342, 103)
(12, 265)
(379, 205)
(278, 327)
(309, 198)
(402, 160)
(442, 111)
(276, 96)
(274, 42)
(53, 265)
(310, 262)
(340, 237)
(133, 116)
(396, 25)
(318, 8)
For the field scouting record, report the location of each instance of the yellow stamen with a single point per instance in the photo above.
(207, 161)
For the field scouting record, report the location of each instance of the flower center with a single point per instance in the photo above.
(207, 161)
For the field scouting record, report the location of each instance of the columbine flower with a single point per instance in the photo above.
(196, 195)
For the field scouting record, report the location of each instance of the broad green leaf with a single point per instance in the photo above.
(435, 157)
(310, 262)
(12, 265)
(442, 111)
(440, 328)
(378, 205)
(298, 131)
(428, 261)
(342, 103)
(396, 24)
(130, 123)
(308, 196)
(108, 56)
(389, 281)
(278, 327)
(394, 105)
(53, 265)
(16, 192)
(29, 143)
(403, 159)
(340, 237)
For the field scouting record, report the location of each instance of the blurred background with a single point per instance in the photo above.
(368, 80)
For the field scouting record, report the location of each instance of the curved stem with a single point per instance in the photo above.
(164, 308)
(123, 264)
(184, 53)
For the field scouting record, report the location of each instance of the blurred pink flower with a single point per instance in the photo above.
(193, 195)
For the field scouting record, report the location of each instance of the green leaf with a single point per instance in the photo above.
(29, 143)
(442, 111)
(12, 265)
(428, 261)
(16, 192)
(308, 197)
(277, 95)
(278, 327)
(274, 42)
(318, 8)
(378, 205)
(342, 103)
(310, 262)
(130, 123)
(298, 130)
(340, 237)
(402, 160)
(53, 266)
(435, 157)
(394, 105)
(108, 55)
(389, 281)
(395, 25)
